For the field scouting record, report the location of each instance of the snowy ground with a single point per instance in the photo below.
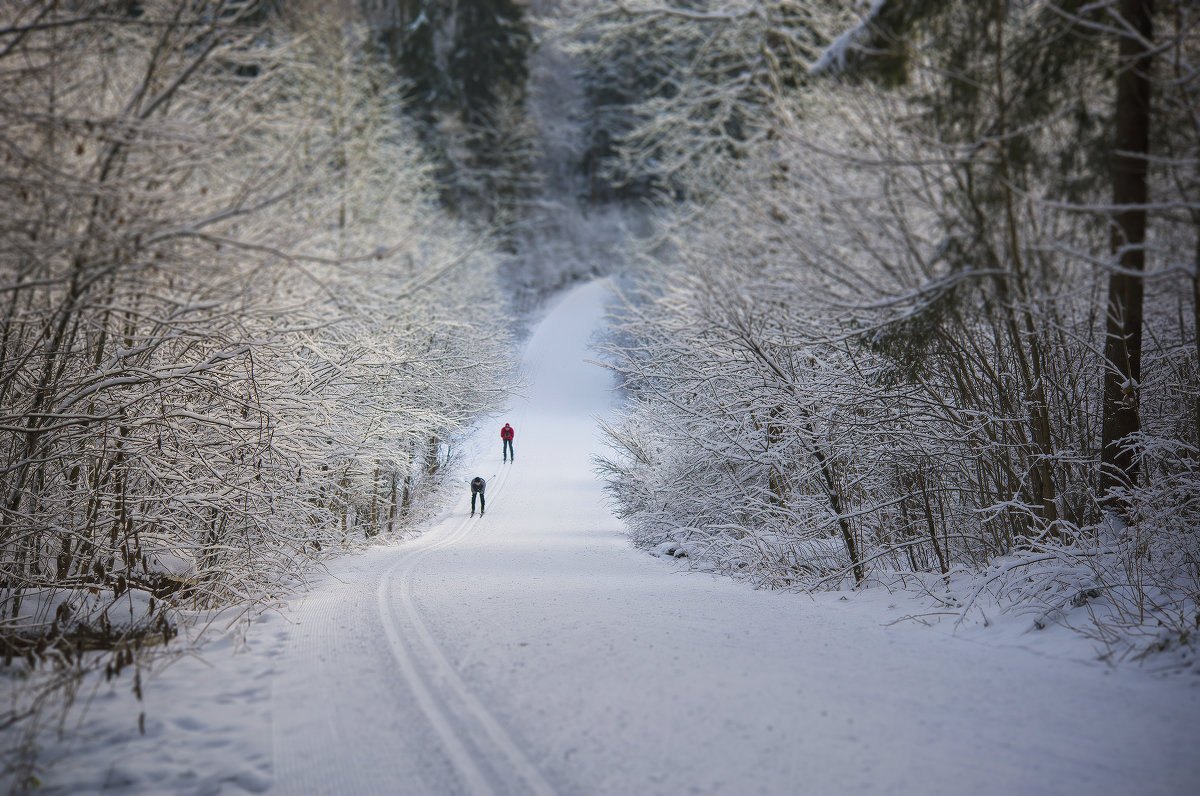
(534, 651)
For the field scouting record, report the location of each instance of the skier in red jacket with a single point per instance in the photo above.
(507, 434)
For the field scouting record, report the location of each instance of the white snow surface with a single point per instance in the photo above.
(534, 650)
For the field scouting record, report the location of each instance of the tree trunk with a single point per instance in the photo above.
(835, 502)
(933, 540)
(1196, 323)
(393, 502)
(432, 465)
(1123, 335)
(776, 479)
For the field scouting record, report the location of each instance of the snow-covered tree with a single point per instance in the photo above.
(680, 88)
(238, 328)
(938, 251)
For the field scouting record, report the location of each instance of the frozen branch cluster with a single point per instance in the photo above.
(683, 88)
(236, 328)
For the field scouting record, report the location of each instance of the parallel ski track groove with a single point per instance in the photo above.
(315, 632)
(456, 714)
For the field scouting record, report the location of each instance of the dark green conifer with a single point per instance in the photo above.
(489, 59)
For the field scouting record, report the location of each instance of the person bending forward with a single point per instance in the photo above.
(477, 487)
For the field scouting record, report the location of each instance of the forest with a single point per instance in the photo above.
(241, 329)
(910, 292)
(922, 299)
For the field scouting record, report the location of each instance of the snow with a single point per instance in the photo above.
(834, 57)
(534, 650)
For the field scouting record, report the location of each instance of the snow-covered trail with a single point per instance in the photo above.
(534, 651)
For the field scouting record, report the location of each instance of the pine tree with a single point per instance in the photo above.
(466, 65)
(417, 55)
(409, 33)
(489, 59)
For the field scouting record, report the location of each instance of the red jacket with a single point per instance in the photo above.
(506, 432)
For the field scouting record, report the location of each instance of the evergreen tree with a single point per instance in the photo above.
(489, 59)
(417, 54)
(409, 32)
(466, 65)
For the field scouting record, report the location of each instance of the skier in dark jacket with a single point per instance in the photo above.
(477, 487)
(507, 435)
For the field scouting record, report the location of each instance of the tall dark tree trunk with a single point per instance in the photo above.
(1123, 337)
(1196, 322)
(393, 502)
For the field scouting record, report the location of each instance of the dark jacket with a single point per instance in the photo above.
(477, 485)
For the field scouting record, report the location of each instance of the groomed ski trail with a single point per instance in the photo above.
(485, 756)
(534, 651)
(473, 752)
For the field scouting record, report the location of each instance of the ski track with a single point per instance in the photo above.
(479, 756)
(461, 721)
(533, 651)
(475, 753)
